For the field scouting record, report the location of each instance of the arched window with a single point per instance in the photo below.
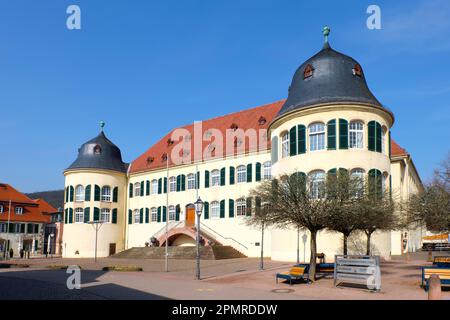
(215, 209)
(285, 145)
(357, 71)
(106, 193)
(79, 215)
(215, 178)
(241, 174)
(137, 216)
(308, 71)
(356, 134)
(137, 189)
(172, 213)
(267, 170)
(97, 149)
(191, 181)
(154, 213)
(317, 184)
(154, 188)
(79, 193)
(316, 136)
(241, 207)
(358, 175)
(104, 215)
(375, 182)
(172, 184)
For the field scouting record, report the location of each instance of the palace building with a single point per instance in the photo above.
(329, 121)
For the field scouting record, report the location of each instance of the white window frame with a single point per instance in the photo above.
(214, 211)
(360, 173)
(285, 145)
(191, 181)
(215, 178)
(267, 170)
(172, 184)
(105, 194)
(356, 135)
(3, 227)
(18, 210)
(105, 215)
(154, 186)
(79, 215)
(316, 132)
(17, 227)
(241, 207)
(383, 140)
(316, 181)
(137, 216)
(79, 193)
(241, 174)
(154, 214)
(1, 208)
(172, 213)
(137, 189)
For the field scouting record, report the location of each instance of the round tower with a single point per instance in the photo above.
(330, 121)
(95, 198)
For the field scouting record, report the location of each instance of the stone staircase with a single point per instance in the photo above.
(206, 253)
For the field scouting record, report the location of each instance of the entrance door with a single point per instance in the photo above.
(190, 216)
(112, 249)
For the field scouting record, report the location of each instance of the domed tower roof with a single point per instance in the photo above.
(99, 153)
(328, 77)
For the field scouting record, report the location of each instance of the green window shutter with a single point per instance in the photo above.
(332, 171)
(70, 215)
(87, 215)
(222, 209)
(222, 176)
(96, 214)
(115, 194)
(22, 228)
(248, 207)
(147, 215)
(177, 212)
(389, 137)
(96, 193)
(249, 172)
(343, 134)
(274, 151)
(293, 141)
(87, 193)
(197, 181)
(36, 229)
(379, 140)
(114, 216)
(231, 208)
(232, 175)
(164, 215)
(71, 193)
(141, 215)
(130, 217)
(390, 186)
(67, 194)
(130, 190)
(258, 172)
(206, 208)
(206, 179)
(66, 216)
(147, 188)
(165, 185)
(257, 205)
(159, 185)
(301, 145)
(159, 214)
(178, 183)
(142, 189)
(331, 134)
(371, 135)
(183, 182)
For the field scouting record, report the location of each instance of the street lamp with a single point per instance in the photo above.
(198, 210)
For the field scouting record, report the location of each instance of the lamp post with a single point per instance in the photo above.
(198, 210)
(49, 251)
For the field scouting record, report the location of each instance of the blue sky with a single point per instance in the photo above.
(145, 67)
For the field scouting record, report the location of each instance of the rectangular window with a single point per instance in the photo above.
(240, 207)
(18, 210)
(317, 136)
(191, 181)
(154, 187)
(3, 227)
(137, 189)
(104, 215)
(137, 216)
(285, 145)
(215, 210)
(215, 178)
(172, 184)
(79, 215)
(154, 216)
(172, 213)
(267, 170)
(241, 174)
(356, 135)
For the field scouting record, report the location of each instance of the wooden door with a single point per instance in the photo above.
(190, 216)
(112, 249)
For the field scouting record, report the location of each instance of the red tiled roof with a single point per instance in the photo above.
(32, 210)
(246, 119)
(396, 150)
(45, 207)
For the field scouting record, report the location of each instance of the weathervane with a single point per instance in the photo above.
(102, 125)
(326, 31)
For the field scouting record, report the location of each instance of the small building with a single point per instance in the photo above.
(22, 222)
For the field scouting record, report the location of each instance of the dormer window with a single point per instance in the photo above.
(169, 142)
(18, 210)
(97, 149)
(308, 72)
(234, 126)
(1, 208)
(150, 160)
(357, 71)
(262, 121)
(164, 157)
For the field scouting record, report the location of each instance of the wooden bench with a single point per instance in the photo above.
(441, 261)
(442, 272)
(297, 272)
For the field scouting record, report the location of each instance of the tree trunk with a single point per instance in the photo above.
(345, 243)
(312, 260)
(369, 235)
(298, 245)
(261, 265)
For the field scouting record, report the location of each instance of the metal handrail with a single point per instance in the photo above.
(221, 236)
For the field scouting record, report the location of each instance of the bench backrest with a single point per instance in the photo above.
(441, 260)
(297, 271)
(443, 273)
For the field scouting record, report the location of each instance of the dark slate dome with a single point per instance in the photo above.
(328, 77)
(99, 153)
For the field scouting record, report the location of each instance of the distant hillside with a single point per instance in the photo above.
(55, 198)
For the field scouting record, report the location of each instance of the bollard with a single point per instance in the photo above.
(430, 256)
(434, 287)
